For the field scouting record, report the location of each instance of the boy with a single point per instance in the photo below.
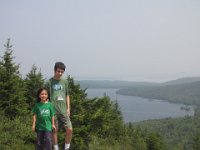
(59, 96)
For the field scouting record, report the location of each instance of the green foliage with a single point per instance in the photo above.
(97, 124)
(154, 142)
(137, 137)
(16, 133)
(132, 139)
(33, 81)
(177, 133)
(99, 117)
(12, 100)
(107, 144)
(196, 141)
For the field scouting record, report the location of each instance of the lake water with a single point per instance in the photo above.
(135, 109)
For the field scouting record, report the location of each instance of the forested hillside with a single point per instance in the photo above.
(186, 93)
(97, 123)
(184, 90)
(178, 133)
(117, 84)
(182, 81)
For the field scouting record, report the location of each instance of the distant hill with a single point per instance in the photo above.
(122, 84)
(183, 90)
(186, 93)
(182, 80)
(117, 84)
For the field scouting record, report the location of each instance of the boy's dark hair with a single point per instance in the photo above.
(39, 91)
(59, 65)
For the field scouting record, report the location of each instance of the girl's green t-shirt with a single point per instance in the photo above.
(44, 113)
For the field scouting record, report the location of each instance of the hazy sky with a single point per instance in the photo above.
(138, 40)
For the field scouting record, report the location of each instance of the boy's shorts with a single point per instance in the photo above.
(62, 121)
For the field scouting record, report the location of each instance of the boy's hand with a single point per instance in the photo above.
(68, 112)
(33, 128)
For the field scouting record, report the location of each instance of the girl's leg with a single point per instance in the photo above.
(47, 140)
(39, 140)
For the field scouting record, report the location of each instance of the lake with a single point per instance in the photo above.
(135, 109)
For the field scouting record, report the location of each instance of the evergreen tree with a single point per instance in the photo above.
(78, 112)
(12, 99)
(16, 133)
(138, 140)
(154, 142)
(33, 81)
(98, 117)
(196, 142)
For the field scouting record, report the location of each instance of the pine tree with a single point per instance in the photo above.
(12, 99)
(98, 117)
(33, 81)
(154, 142)
(196, 142)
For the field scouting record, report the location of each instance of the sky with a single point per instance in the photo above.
(134, 40)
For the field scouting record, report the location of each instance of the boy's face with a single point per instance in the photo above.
(58, 73)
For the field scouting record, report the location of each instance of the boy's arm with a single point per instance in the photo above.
(68, 104)
(33, 122)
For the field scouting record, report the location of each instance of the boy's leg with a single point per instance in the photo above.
(47, 140)
(68, 130)
(68, 136)
(64, 120)
(55, 134)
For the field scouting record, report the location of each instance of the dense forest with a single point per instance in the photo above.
(97, 123)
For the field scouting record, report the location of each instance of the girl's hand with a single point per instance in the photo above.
(53, 127)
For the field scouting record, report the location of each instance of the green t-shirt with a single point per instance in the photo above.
(58, 92)
(44, 113)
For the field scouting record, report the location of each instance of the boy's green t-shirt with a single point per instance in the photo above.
(44, 113)
(58, 92)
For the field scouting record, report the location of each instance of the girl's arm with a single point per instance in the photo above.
(33, 122)
(53, 123)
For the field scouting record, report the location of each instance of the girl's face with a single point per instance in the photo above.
(43, 96)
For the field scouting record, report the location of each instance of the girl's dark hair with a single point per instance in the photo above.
(39, 91)
(59, 65)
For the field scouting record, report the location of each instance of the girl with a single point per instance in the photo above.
(43, 120)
